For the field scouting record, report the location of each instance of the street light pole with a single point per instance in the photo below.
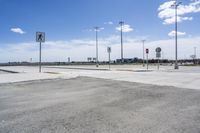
(122, 56)
(176, 4)
(97, 60)
(176, 38)
(143, 51)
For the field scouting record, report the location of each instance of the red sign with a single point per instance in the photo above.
(147, 51)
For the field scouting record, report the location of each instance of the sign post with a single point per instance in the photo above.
(40, 37)
(109, 51)
(158, 55)
(147, 53)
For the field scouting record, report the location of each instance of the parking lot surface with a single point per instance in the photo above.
(185, 77)
(2, 72)
(93, 105)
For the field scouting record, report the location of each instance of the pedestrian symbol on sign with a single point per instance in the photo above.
(40, 37)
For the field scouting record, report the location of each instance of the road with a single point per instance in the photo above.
(92, 105)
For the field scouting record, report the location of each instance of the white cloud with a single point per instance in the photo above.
(17, 30)
(87, 30)
(109, 23)
(81, 49)
(100, 29)
(126, 28)
(172, 33)
(92, 30)
(165, 5)
(179, 19)
(167, 13)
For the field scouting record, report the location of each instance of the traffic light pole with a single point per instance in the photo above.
(147, 62)
(143, 51)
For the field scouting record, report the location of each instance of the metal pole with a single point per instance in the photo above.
(195, 55)
(158, 64)
(122, 54)
(195, 52)
(109, 59)
(162, 55)
(143, 51)
(97, 60)
(176, 37)
(147, 62)
(40, 57)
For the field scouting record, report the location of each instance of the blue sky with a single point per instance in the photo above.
(68, 20)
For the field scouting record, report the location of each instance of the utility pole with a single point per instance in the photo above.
(143, 50)
(175, 5)
(97, 60)
(122, 56)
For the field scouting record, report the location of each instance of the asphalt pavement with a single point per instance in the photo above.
(92, 105)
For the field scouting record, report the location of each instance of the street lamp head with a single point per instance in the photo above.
(143, 41)
(176, 4)
(96, 28)
(121, 22)
(179, 3)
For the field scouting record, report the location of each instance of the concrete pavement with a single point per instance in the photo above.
(186, 77)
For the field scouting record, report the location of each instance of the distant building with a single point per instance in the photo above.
(128, 60)
(91, 59)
